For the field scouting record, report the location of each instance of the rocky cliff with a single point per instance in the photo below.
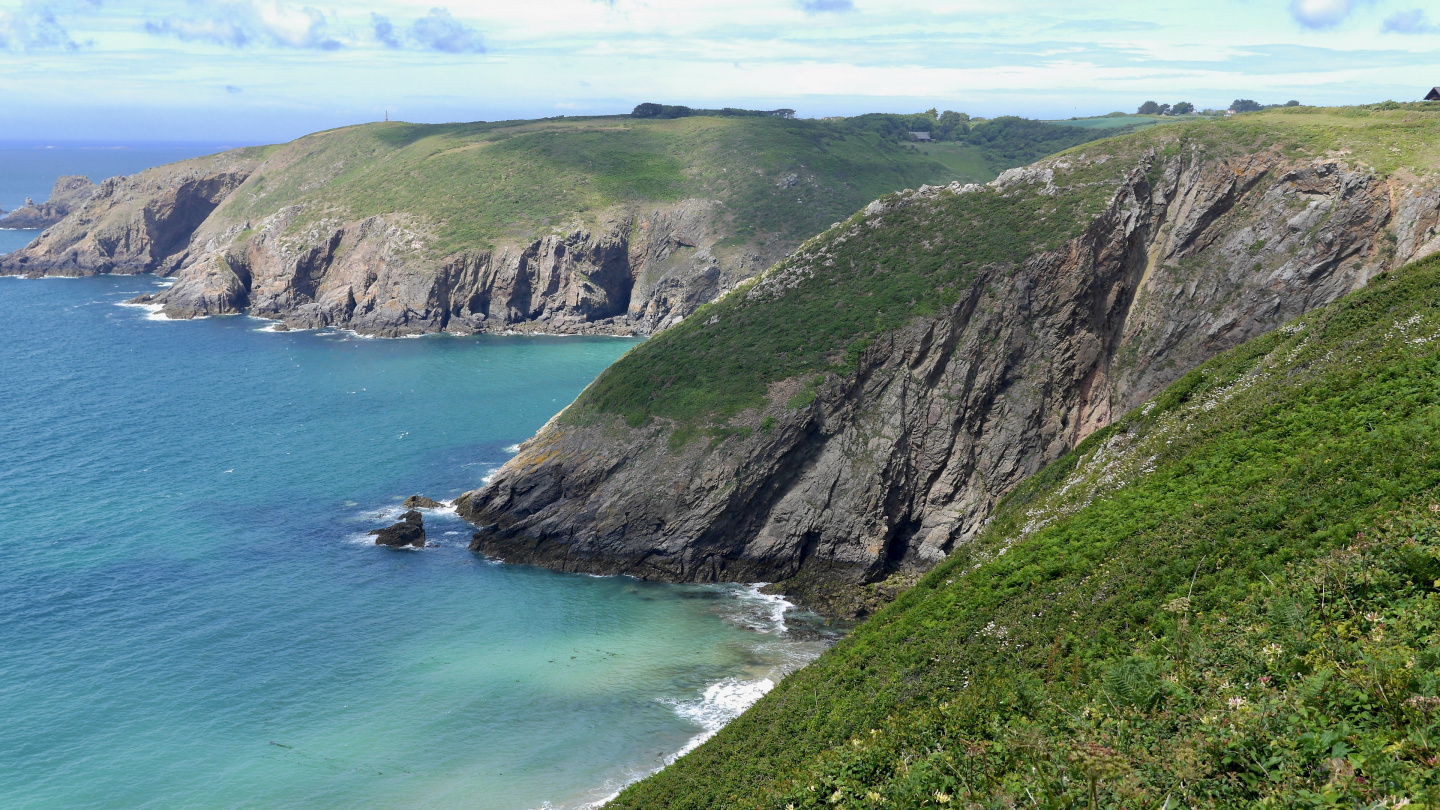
(578, 226)
(137, 224)
(634, 272)
(880, 468)
(70, 193)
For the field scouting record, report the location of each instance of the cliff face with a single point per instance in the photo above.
(613, 226)
(635, 273)
(892, 465)
(70, 193)
(137, 224)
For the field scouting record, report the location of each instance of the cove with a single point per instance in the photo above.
(192, 616)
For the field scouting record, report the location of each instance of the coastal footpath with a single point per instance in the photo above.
(611, 225)
(844, 422)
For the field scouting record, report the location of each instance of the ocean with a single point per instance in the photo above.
(191, 613)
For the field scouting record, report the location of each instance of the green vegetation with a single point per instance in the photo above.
(472, 185)
(814, 311)
(1229, 598)
(1112, 121)
(653, 110)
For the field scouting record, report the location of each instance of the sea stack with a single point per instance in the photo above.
(410, 531)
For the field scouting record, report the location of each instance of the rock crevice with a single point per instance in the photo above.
(893, 465)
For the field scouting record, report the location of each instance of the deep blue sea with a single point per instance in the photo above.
(191, 615)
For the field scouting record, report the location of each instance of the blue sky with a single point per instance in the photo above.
(246, 71)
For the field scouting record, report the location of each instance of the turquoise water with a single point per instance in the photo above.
(191, 615)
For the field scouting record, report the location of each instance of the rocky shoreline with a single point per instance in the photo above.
(70, 193)
(895, 464)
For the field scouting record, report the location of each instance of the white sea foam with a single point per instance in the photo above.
(768, 615)
(722, 702)
(153, 312)
(514, 448)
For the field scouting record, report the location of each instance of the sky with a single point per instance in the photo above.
(257, 71)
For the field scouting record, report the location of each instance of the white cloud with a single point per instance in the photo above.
(824, 6)
(34, 26)
(249, 22)
(1322, 13)
(439, 31)
(1410, 22)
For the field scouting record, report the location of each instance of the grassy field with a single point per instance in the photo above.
(1119, 122)
(914, 263)
(1230, 598)
(477, 185)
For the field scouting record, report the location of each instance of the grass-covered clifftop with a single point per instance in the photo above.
(812, 312)
(473, 185)
(1230, 597)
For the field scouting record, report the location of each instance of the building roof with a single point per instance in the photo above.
(1433, 95)
(920, 136)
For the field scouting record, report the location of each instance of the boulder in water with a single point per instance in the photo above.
(410, 531)
(420, 502)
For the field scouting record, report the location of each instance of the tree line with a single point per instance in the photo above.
(652, 110)
(1239, 105)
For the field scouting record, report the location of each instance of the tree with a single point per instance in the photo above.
(647, 110)
(1163, 109)
(1292, 103)
(932, 112)
(1240, 105)
(1149, 108)
(1183, 108)
(952, 125)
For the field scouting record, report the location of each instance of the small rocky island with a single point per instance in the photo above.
(410, 531)
(70, 193)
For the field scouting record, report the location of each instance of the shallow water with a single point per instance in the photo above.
(192, 616)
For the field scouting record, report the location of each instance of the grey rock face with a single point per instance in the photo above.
(635, 273)
(410, 531)
(137, 224)
(70, 193)
(891, 467)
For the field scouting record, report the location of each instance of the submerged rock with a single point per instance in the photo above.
(420, 502)
(410, 531)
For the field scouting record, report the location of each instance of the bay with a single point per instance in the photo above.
(191, 613)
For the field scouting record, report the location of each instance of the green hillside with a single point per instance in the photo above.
(1229, 598)
(713, 366)
(479, 184)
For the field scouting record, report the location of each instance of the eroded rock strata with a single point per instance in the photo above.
(636, 273)
(137, 224)
(892, 465)
(70, 193)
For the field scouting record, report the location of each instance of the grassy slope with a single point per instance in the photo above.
(697, 373)
(481, 184)
(1229, 598)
